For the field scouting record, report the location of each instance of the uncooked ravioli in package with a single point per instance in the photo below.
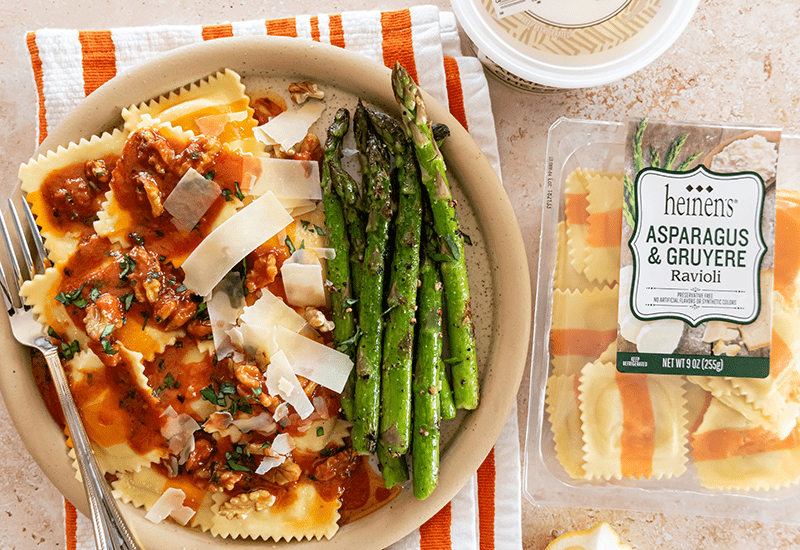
(666, 360)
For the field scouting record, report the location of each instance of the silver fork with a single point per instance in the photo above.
(110, 530)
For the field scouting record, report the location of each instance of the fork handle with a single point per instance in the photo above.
(110, 530)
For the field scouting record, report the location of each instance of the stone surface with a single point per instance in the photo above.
(737, 61)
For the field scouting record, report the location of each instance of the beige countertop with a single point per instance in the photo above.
(737, 61)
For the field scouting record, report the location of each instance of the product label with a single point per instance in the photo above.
(576, 14)
(696, 262)
(697, 247)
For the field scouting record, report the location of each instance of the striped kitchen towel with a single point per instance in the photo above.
(68, 65)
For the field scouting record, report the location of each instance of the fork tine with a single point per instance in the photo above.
(23, 240)
(14, 281)
(41, 254)
(10, 307)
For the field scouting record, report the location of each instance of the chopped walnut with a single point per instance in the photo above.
(151, 285)
(96, 171)
(151, 191)
(248, 374)
(155, 149)
(243, 504)
(310, 149)
(199, 154)
(317, 319)
(283, 473)
(301, 91)
(268, 106)
(228, 480)
(107, 310)
(264, 268)
(338, 464)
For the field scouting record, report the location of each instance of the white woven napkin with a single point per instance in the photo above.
(70, 64)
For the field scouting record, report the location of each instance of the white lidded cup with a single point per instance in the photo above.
(552, 45)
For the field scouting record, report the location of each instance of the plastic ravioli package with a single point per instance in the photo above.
(666, 360)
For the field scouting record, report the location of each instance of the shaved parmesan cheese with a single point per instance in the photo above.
(225, 247)
(170, 503)
(262, 423)
(218, 422)
(289, 179)
(279, 368)
(290, 127)
(270, 311)
(178, 430)
(315, 361)
(259, 341)
(327, 253)
(298, 211)
(281, 412)
(213, 125)
(282, 444)
(191, 199)
(224, 307)
(302, 279)
(268, 463)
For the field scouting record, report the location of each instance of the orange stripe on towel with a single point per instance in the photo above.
(70, 525)
(336, 31)
(38, 74)
(210, 32)
(282, 27)
(397, 43)
(434, 534)
(455, 95)
(638, 426)
(486, 493)
(99, 59)
(315, 28)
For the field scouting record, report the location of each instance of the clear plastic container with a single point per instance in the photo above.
(574, 452)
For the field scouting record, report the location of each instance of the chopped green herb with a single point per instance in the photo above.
(126, 266)
(128, 300)
(320, 431)
(239, 194)
(146, 318)
(181, 288)
(319, 230)
(94, 294)
(69, 350)
(210, 175)
(235, 466)
(51, 332)
(209, 394)
(227, 387)
(169, 380)
(228, 194)
(138, 238)
(289, 244)
(73, 298)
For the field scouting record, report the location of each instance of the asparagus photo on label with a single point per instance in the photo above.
(463, 362)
